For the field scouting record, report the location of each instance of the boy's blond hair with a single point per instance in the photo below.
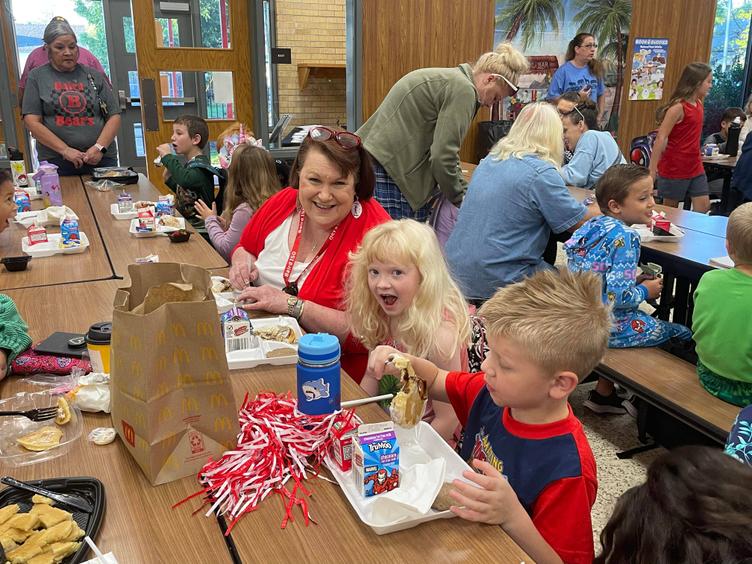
(739, 233)
(557, 317)
(437, 301)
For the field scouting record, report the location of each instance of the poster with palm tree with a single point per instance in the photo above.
(543, 28)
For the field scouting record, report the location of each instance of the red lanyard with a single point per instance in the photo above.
(292, 288)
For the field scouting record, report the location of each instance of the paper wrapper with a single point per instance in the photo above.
(172, 401)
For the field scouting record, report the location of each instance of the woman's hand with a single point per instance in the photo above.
(205, 211)
(243, 269)
(93, 156)
(74, 155)
(263, 298)
(164, 149)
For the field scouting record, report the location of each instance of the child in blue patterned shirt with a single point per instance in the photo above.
(608, 246)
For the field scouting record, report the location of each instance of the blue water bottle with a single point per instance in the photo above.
(318, 374)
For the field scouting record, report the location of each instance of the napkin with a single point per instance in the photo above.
(419, 485)
(50, 216)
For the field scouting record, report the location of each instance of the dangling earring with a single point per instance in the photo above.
(357, 209)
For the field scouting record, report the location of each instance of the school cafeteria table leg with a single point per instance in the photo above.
(726, 194)
(681, 301)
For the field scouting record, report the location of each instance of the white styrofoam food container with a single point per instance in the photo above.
(161, 229)
(52, 246)
(118, 215)
(646, 235)
(432, 443)
(257, 355)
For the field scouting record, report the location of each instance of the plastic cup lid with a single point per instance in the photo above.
(100, 332)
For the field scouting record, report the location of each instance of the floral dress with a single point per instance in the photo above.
(739, 443)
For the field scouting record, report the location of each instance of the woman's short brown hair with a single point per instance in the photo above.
(355, 161)
(615, 183)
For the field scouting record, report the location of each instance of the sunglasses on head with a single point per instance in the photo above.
(570, 112)
(344, 139)
(505, 79)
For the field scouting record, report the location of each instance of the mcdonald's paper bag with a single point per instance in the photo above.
(172, 401)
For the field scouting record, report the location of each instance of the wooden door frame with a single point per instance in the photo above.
(236, 59)
(8, 35)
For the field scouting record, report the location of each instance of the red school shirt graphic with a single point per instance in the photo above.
(70, 100)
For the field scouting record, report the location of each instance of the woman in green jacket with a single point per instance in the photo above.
(415, 134)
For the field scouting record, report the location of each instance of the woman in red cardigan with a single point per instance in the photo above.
(296, 247)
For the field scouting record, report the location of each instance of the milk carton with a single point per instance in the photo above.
(375, 459)
(342, 445)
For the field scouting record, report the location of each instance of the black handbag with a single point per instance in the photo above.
(489, 132)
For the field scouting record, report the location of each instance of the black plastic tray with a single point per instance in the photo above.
(90, 489)
(128, 176)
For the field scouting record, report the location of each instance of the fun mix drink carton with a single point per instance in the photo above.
(375, 459)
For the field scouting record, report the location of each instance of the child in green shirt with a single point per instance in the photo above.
(194, 180)
(14, 337)
(722, 319)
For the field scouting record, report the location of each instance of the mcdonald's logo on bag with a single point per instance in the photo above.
(161, 338)
(135, 342)
(185, 379)
(129, 434)
(208, 353)
(222, 424)
(162, 363)
(212, 377)
(204, 328)
(136, 371)
(217, 400)
(190, 405)
(165, 415)
(180, 356)
(163, 389)
(178, 330)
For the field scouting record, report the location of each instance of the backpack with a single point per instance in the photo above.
(221, 176)
(641, 148)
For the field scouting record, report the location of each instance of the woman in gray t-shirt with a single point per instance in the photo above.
(70, 108)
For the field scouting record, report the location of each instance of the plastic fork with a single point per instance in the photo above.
(40, 414)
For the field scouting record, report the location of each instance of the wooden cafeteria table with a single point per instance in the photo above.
(91, 264)
(140, 527)
(123, 248)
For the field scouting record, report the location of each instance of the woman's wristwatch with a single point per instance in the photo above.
(295, 307)
(101, 148)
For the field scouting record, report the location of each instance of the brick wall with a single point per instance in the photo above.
(315, 31)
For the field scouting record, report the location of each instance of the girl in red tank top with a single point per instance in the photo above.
(676, 162)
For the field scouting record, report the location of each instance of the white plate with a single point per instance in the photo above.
(161, 229)
(251, 358)
(52, 246)
(127, 215)
(432, 443)
(646, 235)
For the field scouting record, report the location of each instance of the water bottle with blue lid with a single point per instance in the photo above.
(318, 374)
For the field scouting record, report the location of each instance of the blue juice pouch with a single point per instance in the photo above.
(70, 235)
(22, 200)
(164, 205)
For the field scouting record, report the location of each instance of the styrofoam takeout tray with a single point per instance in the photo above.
(127, 215)
(52, 246)
(436, 447)
(161, 229)
(646, 235)
(257, 355)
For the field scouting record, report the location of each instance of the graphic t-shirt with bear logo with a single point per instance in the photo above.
(68, 105)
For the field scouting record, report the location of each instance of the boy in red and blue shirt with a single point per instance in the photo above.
(536, 475)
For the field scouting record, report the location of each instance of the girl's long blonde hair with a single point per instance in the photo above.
(536, 131)
(252, 179)
(437, 301)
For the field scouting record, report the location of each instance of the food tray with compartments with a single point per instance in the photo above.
(52, 246)
(646, 234)
(256, 350)
(435, 447)
(119, 174)
(161, 228)
(89, 489)
(114, 210)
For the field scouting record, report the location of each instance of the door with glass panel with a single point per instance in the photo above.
(193, 58)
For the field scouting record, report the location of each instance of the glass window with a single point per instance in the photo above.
(129, 34)
(212, 24)
(138, 136)
(727, 59)
(208, 94)
(133, 87)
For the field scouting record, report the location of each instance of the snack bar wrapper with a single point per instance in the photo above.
(165, 205)
(22, 200)
(70, 235)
